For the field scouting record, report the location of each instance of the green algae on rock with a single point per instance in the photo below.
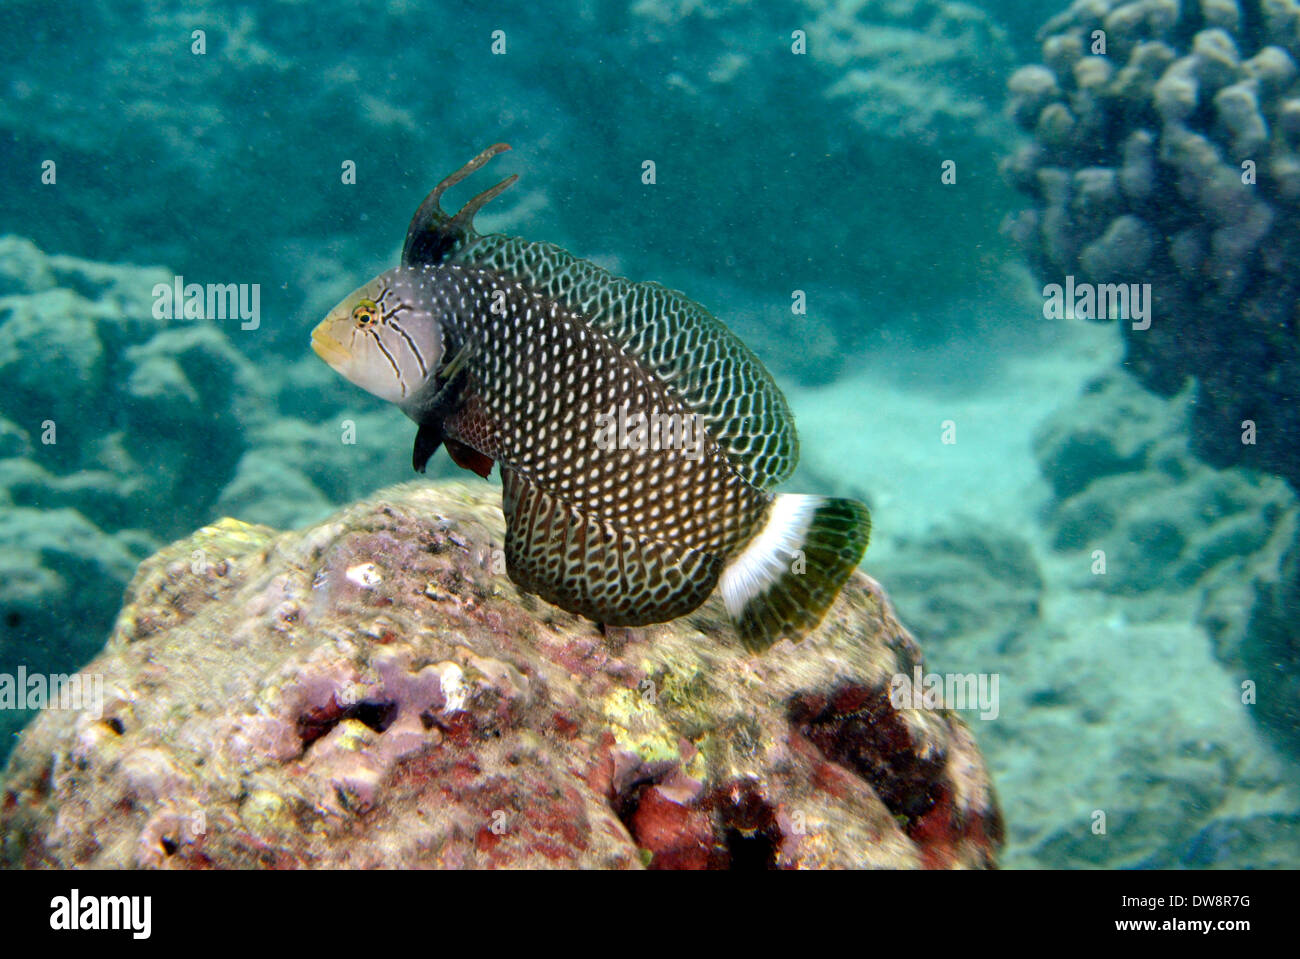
(373, 691)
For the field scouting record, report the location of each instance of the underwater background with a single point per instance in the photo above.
(913, 171)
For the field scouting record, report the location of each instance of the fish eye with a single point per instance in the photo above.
(365, 313)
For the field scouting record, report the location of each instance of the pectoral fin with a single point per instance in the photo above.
(466, 457)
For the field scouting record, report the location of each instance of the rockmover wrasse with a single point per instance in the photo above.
(638, 439)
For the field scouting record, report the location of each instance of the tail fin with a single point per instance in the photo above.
(783, 582)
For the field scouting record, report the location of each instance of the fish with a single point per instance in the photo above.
(637, 438)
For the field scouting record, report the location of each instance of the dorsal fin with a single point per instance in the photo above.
(433, 235)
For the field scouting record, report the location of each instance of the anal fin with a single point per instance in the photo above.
(587, 566)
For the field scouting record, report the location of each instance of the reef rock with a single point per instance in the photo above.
(1270, 645)
(373, 691)
(106, 413)
(109, 411)
(965, 578)
(1168, 527)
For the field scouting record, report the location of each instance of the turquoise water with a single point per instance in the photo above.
(843, 185)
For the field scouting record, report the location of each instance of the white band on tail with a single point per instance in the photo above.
(769, 554)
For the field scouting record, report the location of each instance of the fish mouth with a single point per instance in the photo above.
(328, 348)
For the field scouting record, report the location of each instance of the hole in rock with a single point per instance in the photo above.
(375, 714)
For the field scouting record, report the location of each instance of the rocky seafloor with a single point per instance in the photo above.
(120, 431)
(242, 145)
(1125, 611)
(372, 691)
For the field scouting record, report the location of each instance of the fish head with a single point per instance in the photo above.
(382, 337)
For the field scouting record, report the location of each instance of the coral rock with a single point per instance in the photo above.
(1272, 67)
(1095, 193)
(1202, 124)
(1215, 58)
(373, 692)
(1238, 110)
(1031, 88)
(1060, 53)
(1122, 251)
(1138, 175)
(1177, 91)
(1221, 13)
